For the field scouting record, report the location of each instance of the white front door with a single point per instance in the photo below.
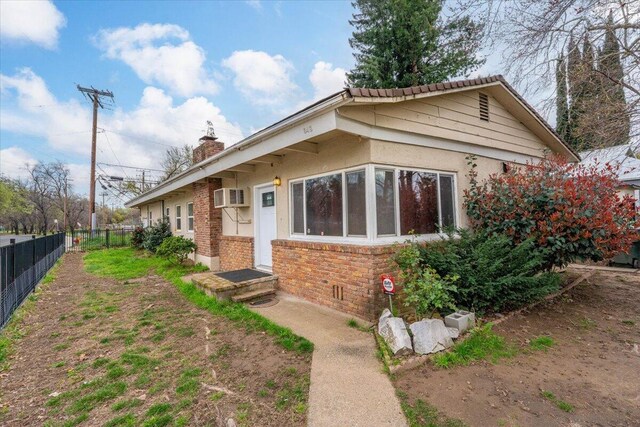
(265, 229)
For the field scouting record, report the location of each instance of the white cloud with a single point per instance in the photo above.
(37, 22)
(326, 80)
(14, 162)
(138, 137)
(265, 80)
(160, 54)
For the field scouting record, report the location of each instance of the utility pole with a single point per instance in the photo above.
(104, 193)
(95, 96)
(142, 187)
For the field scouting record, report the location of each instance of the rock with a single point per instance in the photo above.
(430, 336)
(454, 333)
(231, 422)
(395, 334)
(386, 313)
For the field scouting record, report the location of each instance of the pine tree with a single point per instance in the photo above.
(574, 61)
(400, 43)
(589, 102)
(612, 74)
(562, 103)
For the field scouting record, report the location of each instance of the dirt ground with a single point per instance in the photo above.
(99, 351)
(593, 366)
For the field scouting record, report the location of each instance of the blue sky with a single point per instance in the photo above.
(171, 66)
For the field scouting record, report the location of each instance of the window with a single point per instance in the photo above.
(356, 203)
(178, 218)
(268, 199)
(324, 205)
(330, 205)
(425, 202)
(297, 203)
(373, 201)
(385, 203)
(189, 216)
(418, 202)
(167, 214)
(447, 203)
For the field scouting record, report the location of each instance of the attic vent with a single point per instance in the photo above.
(484, 107)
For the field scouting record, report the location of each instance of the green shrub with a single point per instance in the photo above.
(424, 289)
(177, 248)
(494, 274)
(155, 234)
(137, 237)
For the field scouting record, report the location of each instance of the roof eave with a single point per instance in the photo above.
(333, 101)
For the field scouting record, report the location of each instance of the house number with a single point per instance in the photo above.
(307, 129)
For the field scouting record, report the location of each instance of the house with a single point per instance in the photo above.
(626, 158)
(321, 197)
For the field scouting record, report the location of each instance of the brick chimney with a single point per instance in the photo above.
(207, 219)
(209, 146)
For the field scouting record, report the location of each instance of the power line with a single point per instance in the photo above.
(114, 153)
(129, 167)
(140, 139)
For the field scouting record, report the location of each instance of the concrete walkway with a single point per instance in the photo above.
(348, 387)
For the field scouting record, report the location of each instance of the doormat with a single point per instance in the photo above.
(237, 276)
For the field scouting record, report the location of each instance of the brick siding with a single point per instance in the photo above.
(312, 270)
(236, 252)
(207, 219)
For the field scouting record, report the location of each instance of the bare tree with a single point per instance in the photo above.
(77, 212)
(535, 33)
(176, 160)
(40, 197)
(58, 179)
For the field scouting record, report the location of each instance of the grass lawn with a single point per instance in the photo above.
(127, 263)
(131, 344)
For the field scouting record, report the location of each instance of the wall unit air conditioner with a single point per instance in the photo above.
(229, 198)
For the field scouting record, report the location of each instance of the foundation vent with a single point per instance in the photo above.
(484, 107)
(338, 292)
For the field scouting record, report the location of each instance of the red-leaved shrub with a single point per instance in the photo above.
(572, 211)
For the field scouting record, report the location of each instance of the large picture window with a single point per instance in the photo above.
(324, 205)
(374, 201)
(330, 205)
(424, 205)
(418, 193)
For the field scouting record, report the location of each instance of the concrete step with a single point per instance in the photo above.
(251, 295)
(223, 289)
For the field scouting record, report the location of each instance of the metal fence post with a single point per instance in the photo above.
(107, 237)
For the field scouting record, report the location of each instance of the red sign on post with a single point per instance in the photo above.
(388, 284)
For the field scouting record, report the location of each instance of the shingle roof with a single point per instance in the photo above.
(414, 90)
(622, 156)
(452, 85)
